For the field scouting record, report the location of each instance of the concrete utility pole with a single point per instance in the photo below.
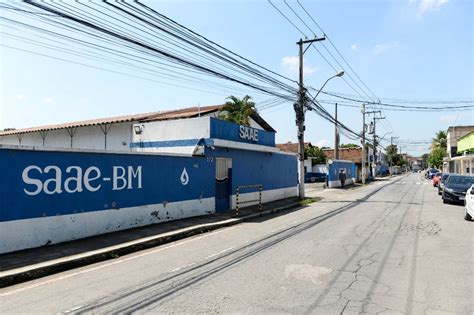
(300, 112)
(374, 150)
(363, 144)
(336, 137)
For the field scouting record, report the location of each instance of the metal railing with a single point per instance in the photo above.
(245, 187)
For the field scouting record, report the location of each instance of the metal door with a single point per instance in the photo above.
(223, 183)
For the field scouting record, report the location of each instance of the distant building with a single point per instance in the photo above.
(460, 159)
(453, 135)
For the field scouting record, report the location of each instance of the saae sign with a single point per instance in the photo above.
(247, 133)
(54, 180)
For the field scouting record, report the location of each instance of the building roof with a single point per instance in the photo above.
(292, 147)
(189, 112)
(470, 127)
(348, 154)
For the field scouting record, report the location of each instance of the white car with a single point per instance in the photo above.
(469, 204)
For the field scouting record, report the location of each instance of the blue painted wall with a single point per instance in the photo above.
(161, 179)
(273, 170)
(161, 182)
(333, 169)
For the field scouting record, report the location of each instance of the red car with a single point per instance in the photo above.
(436, 179)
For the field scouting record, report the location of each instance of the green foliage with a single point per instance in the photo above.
(308, 201)
(440, 141)
(438, 150)
(436, 157)
(316, 153)
(349, 145)
(392, 154)
(238, 110)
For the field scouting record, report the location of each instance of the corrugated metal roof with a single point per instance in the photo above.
(84, 123)
(189, 112)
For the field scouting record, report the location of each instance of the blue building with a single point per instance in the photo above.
(170, 169)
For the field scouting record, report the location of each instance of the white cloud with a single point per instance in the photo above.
(428, 5)
(48, 100)
(453, 117)
(291, 65)
(323, 143)
(20, 97)
(385, 47)
(354, 47)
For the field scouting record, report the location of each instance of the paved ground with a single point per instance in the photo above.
(392, 246)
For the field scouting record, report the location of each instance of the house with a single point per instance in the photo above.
(458, 142)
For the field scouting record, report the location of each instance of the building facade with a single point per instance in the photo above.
(460, 158)
(169, 169)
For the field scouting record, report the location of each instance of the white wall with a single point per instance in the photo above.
(168, 130)
(90, 137)
(29, 233)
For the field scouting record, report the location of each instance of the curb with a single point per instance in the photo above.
(16, 276)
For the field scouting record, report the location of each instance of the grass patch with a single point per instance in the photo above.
(308, 201)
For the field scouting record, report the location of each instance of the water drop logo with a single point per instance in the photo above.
(184, 177)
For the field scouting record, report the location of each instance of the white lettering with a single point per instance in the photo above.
(77, 179)
(88, 178)
(30, 181)
(56, 180)
(117, 177)
(242, 132)
(248, 133)
(134, 174)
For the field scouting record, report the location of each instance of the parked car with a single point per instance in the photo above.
(431, 172)
(455, 188)
(310, 177)
(469, 204)
(442, 179)
(436, 179)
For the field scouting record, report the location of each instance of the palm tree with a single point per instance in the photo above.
(238, 110)
(440, 141)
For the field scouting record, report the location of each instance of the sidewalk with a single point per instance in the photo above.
(34, 263)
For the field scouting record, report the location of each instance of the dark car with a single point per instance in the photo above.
(431, 172)
(455, 188)
(314, 177)
(442, 179)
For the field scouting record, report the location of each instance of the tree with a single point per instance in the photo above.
(440, 141)
(392, 154)
(349, 145)
(317, 154)
(438, 149)
(436, 157)
(238, 110)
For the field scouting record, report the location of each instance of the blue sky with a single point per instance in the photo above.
(407, 49)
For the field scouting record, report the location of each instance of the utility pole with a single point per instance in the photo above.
(363, 144)
(391, 155)
(300, 108)
(374, 150)
(336, 138)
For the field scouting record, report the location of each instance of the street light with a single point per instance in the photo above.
(339, 74)
(300, 112)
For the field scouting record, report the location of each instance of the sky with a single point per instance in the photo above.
(401, 49)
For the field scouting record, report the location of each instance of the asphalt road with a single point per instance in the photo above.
(389, 247)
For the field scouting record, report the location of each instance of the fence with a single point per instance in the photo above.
(238, 202)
